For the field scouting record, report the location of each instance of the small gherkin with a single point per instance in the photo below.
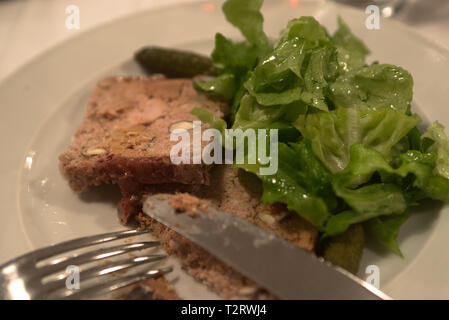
(174, 63)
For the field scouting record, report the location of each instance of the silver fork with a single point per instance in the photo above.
(22, 277)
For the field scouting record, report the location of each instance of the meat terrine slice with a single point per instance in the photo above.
(238, 193)
(124, 137)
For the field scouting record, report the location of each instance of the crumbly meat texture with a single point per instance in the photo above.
(238, 193)
(205, 267)
(125, 135)
(184, 202)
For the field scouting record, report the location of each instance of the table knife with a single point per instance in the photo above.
(280, 267)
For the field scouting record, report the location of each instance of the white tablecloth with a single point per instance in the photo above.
(28, 27)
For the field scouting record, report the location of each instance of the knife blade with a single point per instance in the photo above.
(285, 270)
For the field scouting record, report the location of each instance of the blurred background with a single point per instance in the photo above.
(29, 27)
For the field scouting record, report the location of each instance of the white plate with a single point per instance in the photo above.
(43, 102)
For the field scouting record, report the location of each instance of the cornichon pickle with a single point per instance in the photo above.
(174, 63)
(345, 250)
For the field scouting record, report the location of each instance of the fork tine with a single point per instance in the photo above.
(113, 285)
(102, 270)
(45, 253)
(93, 255)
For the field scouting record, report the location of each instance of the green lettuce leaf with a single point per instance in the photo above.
(321, 68)
(387, 194)
(377, 87)
(301, 182)
(233, 57)
(208, 117)
(255, 116)
(306, 28)
(436, 133)
(385, 229)
(246, 16)
(224, 85)
(298, 68)
(426, 182)
(278, 80)
(370, 200)
(351, 50)
(366, 200)
(240, 93)
(233, 60)
(333, 133)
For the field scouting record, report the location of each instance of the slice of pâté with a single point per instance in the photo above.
(124, 137)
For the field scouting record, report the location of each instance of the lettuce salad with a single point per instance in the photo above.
(349, 148)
